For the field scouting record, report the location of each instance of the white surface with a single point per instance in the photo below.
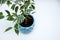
(47, 23)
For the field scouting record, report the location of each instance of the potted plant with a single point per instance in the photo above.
(24, 21)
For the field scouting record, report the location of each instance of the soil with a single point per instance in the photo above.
(28, 21)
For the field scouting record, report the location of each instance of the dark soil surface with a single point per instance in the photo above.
(28, 21)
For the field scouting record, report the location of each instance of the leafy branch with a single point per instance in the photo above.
(24, 6)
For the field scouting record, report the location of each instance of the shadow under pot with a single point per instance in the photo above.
(27, 25)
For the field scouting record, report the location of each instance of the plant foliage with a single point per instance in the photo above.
(24, 6)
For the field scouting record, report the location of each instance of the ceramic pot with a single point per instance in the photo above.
(25, 29)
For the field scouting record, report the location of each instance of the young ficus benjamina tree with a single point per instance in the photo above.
(25, 7)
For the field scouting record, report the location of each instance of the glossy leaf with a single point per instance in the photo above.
(29, 10)
(8, 3)
(33, 6)
(1, 15)
(13, 7)
(3, 1)
(0, 1)
(16, 9)
(9, 28)
(17, 32)
(15, 14)
(20, 19)
(27, 3)
(20, 0)
(14, 20)
(22, 7)
(10, 18)
(8, 12)
(16, 28)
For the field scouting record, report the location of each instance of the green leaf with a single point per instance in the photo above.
(22, 7)
(15, 14)
(16, 28)
(10, 18)
(33, 6)
(17, 1)
(8, 12)
(27, 3)
(1, 15)
(8, 3)
(20, 19)
(16, 9)
(3, 1)
(9, 28)
(20, 0)
(0, 1)
(13, 6)
(17, 32)
(14, 20)
(29, 10)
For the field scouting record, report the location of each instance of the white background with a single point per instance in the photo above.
(47, 23)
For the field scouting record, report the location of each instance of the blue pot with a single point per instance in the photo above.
(26, 30)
